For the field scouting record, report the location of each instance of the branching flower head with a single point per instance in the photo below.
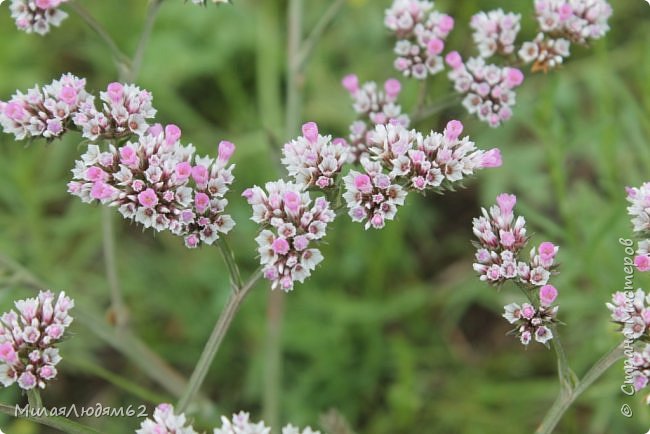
(580, 21)
(125, 110)
(37, 16)
(421, 32)
(495, 32)
(44, 111)
(313, 159)
(373, 106)
(165, 421)
(240, 423)
(28, 339)
(488, 89)
(290, 224)
(545, 53)
(631, 314)
(161, 184)
(639, 209)
(501, 240)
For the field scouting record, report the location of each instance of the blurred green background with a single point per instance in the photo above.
(393, 330)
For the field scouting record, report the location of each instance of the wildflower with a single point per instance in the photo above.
(633, 316)
(161, 184)
(531, 323)
(165, 421)
(421, 32)
(37, 16)
(125, 110)
(640, 372)
(374, 106)
(495, 32)
(488, 89)
(313, 159)
(545, 53)
(576, 20)
(44, 112)
(240, 423)
(639, 199)
(28, 339)
(290, 223)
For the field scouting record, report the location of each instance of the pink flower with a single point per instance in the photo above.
(8, 354)
(392, 87)
(454, 60)
(446, 23)
(310, 132)
(44, 4)
(280, 246)
(148, 198)
(435, 46)
(351, 83)
(491, 158)
(100, 190)
(128, 156)
(115, 92)
(547, 295)
(642, 262)
(453, 130)
(514, 77)
(506, 202)
(200, 174)
(191, 241)
(68, 95)
(292, 201)
(172, 134)
(155, 130)
(362, 183)
(201, 202)
(547, 249)
(94, 173)
(226, 149)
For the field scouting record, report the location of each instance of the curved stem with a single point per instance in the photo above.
(566, 397)
(34, 399)
(425, 112)
(317, 32)
(214, 341)
(229, 259)
(122, 60)
(152, 11)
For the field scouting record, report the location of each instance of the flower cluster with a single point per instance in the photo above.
(631, 313)
(639, 209)
(44, 112)
(562, 22)
(488, 89)
(495, 32)
(161, 184)
(28, 353)
(125, 109)
(37, 16)
(501, 238)
(165, 421)
(640, 369)
(372, 197)
(290, 223)
(374, 107)
(313, 159)
(421, 32)
(240, 424)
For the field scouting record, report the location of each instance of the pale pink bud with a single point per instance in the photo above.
(191, 241)
(201, 202)
(454, 60)
(547, 295)
(514, 77)
(148, 198)
(8, 354)
(115, 92)
(351, 83)
(68, 95)
(446, 24)
(491, 158)
(292, 201)
(362, 183)
(155, 130)
(547, 249)
(226, 149)
(392, 87)
(280, 246)
(200, 174)
(172, 134)
(642, 262)
(14, 111)
(453, 130)
(435, 46)
(183, 170)
(506, 202)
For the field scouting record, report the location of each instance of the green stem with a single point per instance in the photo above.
(229, 259)
(123, 62)
(441, 104)
(317, 32)
(34, 399)
(214, 341)
(120, 314)
(57, 422)
(566, 397)
(152, 11)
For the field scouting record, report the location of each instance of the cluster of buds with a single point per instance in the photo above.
(640, 370)
(432, 162)
(501, 238)
(28, 353)
(421, 32)
(631, 311)
(44, 112)
(562, 22)
(290, 223)
(531, 322)
(161, 184)
(639, 209)
(37, 16)
(313, 159)
(373, 107)
(495, 32)
(373, 196)
(240, 423)
(125, 109)
(165, 421)
(488, 89)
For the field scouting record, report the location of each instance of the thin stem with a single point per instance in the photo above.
(121, 59)
(566, 376)
(229, 259)
(34, 399)
(443, 103)
(566, 398)
(214, 342)
(152, 11)
(317, 32)
(118, 307)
